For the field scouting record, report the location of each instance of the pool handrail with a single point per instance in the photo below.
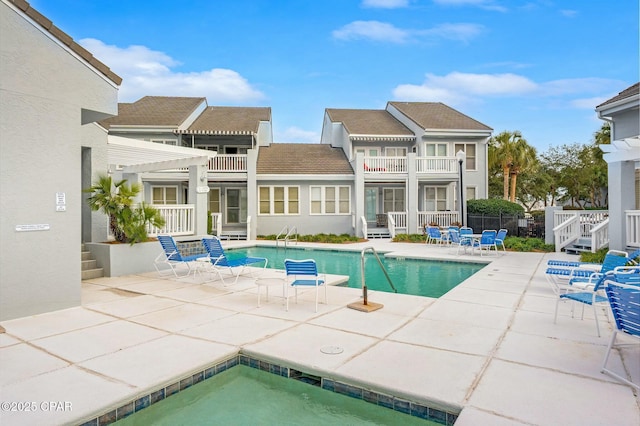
(386, 274)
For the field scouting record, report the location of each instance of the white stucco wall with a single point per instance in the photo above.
(43, 90)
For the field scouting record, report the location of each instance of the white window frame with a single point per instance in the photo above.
(388, 150)
(164, 194)
(394, 191)
(271, 200)
(436, 145)
(463, 146)
(438, 188)
(242, 209)
(164, 141)
(324, 201)
(211, 191)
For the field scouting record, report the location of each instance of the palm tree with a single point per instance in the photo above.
(506, 151)
(524, 158)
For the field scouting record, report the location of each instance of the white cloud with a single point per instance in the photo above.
(483, 4)
(372, 30)
(385, 4)
(458, 88)
(382, 31)
(148, 72)
(569, 13)
(297, 135)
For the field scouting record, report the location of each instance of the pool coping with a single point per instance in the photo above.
(383, 399)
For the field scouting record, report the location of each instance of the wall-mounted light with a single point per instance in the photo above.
(203, 177)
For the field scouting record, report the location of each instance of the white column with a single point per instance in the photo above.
(198, 196)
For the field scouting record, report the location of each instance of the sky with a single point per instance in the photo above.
(535, 66)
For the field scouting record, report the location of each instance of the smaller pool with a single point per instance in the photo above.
(429, 278)
(247, 396)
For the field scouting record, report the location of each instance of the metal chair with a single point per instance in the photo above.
(303, 273)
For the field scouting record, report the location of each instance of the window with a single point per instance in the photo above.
(278, 200)
(330, 199)
(164, 195)
(470, 152)
(436, 198)
(436, 150)
(393, 200)
(164, 141)
(471, 193)
(396, 152)
(214, 200)
(235, 149)
(236, 205)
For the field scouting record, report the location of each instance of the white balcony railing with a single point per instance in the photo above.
(228, 163)
(437, 165)
(382, 164)
(632, 218)
(179, 219)
(442, 219)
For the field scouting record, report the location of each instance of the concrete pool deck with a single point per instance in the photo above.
(488, 347)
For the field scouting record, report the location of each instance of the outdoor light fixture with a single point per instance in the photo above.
(203, 177)
(460, 155)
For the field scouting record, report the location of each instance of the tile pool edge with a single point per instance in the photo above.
(378, 398)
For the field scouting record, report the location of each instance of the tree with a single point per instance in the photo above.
(127, 223)
(510, 153)
(603, 136)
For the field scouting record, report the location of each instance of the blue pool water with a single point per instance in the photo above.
(428, 278)
(247, 396)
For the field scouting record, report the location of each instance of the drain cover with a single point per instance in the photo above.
(331, 350)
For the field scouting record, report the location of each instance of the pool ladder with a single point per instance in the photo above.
(288, 235)
(365, 305)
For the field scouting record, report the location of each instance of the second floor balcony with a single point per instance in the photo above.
(390, 165)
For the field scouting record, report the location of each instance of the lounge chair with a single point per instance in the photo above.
(559, 278)
(303, 273)
(623, 293)
(221, 262)
(590, 265)
(171, 260)
(592, 287)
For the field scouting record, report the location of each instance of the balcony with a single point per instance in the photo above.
(232, 163)
(391, 165)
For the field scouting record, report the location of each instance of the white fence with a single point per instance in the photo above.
(442, 219)
(179, 219)
(632, 218)
(569, 225)
(382, 164)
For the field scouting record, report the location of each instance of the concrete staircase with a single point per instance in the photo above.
(378, 233)
(89, 265)
(233, 235)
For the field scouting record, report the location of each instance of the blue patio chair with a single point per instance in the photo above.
(591, 265)
(592, 286)
(502, 234)
(486, 242)
(221, 262)
(303, 273)
(623, 294)
(465, 230)
(434, 235)
(559, 278)
(171, 260)
(458, 241)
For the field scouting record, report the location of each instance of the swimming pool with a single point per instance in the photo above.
(243, 395)
(429, 278)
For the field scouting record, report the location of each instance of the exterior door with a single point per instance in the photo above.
(371, 204)
(236, 206)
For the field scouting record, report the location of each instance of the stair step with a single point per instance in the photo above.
(89, 264)
(86, 255)
(88, 274)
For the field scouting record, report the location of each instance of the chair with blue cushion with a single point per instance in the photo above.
(593, 266)
(623, 294)
(592, 286)
(171, 260)
(465, 230)
(502, 234)
(303, 273)
(559, 277)
(434, 235)
(458, 241)
(221, 262)
(486, 242)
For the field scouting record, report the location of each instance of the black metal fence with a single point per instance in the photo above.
(516, 225)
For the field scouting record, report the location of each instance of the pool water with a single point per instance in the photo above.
(247, 396)
(428, 278)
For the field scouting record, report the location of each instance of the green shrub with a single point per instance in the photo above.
(527, 244)
(493, 207)
(319, 238)
(597, 257)
(409, 238)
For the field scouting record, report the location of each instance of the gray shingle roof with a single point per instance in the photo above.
(300, 158)
(626, 93)
(229, 120)
(65, 39)
(369, 122)
(154, 111)
(436, 115)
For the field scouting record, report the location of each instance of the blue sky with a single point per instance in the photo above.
(537, 66)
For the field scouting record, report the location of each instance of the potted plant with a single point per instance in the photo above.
(127, 222)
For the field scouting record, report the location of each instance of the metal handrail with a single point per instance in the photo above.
(364, 284)
(289, 231)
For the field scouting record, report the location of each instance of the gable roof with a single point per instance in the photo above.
(154, 111)
(65, 39)
(302, 159)
(370, 122)
(217, 120)
(626, 93)
(436, 115)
